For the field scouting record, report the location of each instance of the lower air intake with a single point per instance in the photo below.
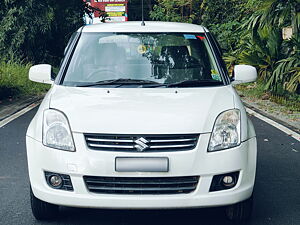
(141, 185)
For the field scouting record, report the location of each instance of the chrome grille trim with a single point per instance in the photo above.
(110, 146)
(141, 143)
(108, 140)
(173, 146)
(158, 141)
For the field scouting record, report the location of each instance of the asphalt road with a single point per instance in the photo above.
(277, 190)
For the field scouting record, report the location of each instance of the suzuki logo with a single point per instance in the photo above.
(141, 144)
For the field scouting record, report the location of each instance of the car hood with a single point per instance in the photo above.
(142, 110)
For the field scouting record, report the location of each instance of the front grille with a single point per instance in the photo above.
(141, 185)
(141, 143)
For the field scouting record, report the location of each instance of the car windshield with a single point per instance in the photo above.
(143, 59)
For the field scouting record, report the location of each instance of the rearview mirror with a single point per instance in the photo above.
(244, 74)
(41, 73)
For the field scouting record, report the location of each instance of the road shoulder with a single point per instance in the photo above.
(274, 112)
(9, 107)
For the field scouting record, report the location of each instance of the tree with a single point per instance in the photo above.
(277, 14)
(225, 17)
(263, 51)
(176, 11)
(37, 31)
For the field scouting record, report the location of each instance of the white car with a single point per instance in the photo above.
(142, 117)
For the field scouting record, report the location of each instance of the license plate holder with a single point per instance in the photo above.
(142, 164)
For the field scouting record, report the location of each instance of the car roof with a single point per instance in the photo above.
(151, 26)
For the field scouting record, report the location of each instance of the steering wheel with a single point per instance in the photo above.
(109, 75)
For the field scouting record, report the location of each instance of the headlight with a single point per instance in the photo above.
(226, 132)
(56, 131)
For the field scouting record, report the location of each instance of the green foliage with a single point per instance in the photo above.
(251, 90)
(263, 51)
(228, 38)
(277, 61)
(287, 70)
(176, 10)
(37, 31)
(223, 11)
(276, 13)
(290, 101)
(257, 90)
(224, 19)
(293, 84)
(14, 81)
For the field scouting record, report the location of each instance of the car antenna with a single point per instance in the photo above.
(143, 21)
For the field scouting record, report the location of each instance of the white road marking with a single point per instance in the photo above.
(274, 124)
(18, 114)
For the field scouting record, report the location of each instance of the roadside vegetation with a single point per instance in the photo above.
(14, 81)
(256, 92)
(249, 31)
(33, 32)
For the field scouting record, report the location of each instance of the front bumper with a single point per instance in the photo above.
(196, 162)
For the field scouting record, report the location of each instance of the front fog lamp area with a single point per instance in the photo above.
(56, 131)
(226, 132)
(59, 181)
(224, 181)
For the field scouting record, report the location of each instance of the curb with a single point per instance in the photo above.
(281, 122)
(23, 106)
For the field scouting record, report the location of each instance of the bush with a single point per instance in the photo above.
(14, 81)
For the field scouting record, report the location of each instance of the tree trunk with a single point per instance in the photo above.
(294, 20)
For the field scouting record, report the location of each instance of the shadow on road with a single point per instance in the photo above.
(213, 216)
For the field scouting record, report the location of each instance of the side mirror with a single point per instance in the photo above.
(244, 74)
(41, 73)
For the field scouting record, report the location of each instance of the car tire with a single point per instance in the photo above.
(241, 211)
(43, 210)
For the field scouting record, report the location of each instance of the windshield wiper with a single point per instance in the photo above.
(118, 82)
(186, 83)
(153, 84)
(195, 83)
